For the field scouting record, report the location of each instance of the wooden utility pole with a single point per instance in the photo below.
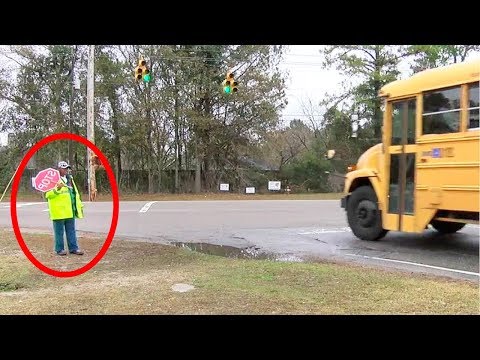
(92, 186)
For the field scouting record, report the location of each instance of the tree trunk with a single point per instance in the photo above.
(159, 189)
(177, 144)
(116, 143)
(149, 153)
(198, 170)
(70, 111)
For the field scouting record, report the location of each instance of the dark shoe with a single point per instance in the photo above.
(77, 252)
(62, 253)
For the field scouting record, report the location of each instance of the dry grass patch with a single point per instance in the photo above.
(137, 278)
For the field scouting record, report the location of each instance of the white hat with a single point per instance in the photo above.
(63, 165)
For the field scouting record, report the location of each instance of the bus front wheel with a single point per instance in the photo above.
(446, 227)
(363, 215)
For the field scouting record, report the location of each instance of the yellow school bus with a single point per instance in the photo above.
(426, 170)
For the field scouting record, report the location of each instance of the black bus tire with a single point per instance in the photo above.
(363, 215)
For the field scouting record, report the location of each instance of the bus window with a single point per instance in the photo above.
(393, 191)
(441, 111)
(409, 185)
(473, 106)
(397, 123)
(400, 110)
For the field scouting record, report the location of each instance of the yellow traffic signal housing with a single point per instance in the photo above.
(138, 73)
(142, 71)
(229, 84)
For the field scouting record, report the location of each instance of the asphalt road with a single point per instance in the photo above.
(291, 229)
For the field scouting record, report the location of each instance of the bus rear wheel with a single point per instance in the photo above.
(363, 215)
(447, 227)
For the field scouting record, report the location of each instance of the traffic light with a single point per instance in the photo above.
(226, 83)
(142, 71)
(146, 75)
(229, 84)
(139, 69)
(234, 86)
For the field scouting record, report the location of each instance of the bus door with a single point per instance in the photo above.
(401, 151)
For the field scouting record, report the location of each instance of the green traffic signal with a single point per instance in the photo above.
(146, 77)
(226, 89)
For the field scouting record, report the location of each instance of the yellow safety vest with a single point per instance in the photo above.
(60, 203)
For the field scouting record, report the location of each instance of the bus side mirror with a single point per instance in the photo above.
(330, 154)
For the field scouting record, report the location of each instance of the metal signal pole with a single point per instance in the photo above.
(92, 186)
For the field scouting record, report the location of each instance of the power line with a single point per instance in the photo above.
(304, 115)
(281, 63)
(201, 58)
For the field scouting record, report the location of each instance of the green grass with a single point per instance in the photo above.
(137, 278)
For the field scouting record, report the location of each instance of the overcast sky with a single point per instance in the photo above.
(3, 139)
(307, 79)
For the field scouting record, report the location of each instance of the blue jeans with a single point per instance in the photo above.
(69, 226)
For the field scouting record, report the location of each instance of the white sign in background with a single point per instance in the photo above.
(224, 187)
(249, 190)
(274, 185)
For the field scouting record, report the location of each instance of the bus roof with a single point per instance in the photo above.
(445, 76)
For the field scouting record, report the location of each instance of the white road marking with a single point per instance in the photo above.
(19, 205)
(147, 206)
(347, 229)
(417, 264)
(324, 231)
